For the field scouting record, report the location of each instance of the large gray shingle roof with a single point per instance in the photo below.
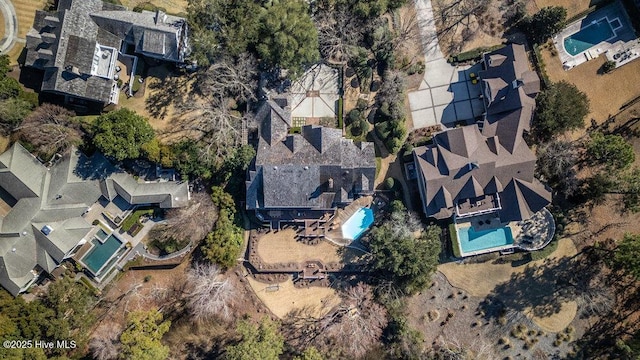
(63, 43)
(317, 169)
(467, 163)
(58, 197)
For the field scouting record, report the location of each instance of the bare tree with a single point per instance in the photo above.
(105, 342)
(209, 294)
(337, 31)
(229, 78)
(556, 163)
(405, 26)
(360, 317)
(49, 129)
(212, 116)
(190, 223)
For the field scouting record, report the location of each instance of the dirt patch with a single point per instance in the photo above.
(286, 297)
(451, 317)
(607, 93)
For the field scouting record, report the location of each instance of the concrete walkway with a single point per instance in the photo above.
(10, 26)
(446, 94)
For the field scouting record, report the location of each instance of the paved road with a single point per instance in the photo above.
(10, 26)
(445, 94)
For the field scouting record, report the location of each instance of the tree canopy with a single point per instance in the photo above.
(50, 129)
(15, 103)
(626, 255)
(545, 23)
(120, 134)
(612, 151)
(141, 338)
(63, 314)
(287, 37)
(262, 342)
(281, 32)
(406, 259)
(560, 107)
(222, 245)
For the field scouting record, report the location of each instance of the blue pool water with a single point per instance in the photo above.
(471, 240)
(100, 253)
(357, 224)
(588, 36)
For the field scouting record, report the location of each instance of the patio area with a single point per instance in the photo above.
(534, 233)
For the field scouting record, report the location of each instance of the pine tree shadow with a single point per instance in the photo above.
(171, 89)
(541, 290)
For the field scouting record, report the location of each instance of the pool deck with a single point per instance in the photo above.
(623, 35)
(529, 235)
(334, 232)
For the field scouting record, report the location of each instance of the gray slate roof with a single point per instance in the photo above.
(58, 197)
(63, 43)
(509, 87)
(317, 169)
(468, 163)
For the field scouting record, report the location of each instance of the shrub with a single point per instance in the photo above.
(362, 105)
(353, 116)
(389, 183)
(608, 66)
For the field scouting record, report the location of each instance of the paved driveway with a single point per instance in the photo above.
(446, 94)
(10, 25)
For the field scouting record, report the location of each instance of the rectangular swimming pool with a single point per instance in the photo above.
(471, 240)
(589, 36)
(100, 253)
(357, 224)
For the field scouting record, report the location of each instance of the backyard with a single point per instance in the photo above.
(573, 6)
(284, 297)
(172, 6)
(497, 308)
(606, 92)
(282, 247)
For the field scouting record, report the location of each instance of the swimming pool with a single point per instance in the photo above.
(357, 224)
(471, 240)
(100, 253)
(589, 36)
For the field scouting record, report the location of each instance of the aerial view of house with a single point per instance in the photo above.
(83, 46)
(48, 212)
(305, 175)
(485, 172)
(344, 179)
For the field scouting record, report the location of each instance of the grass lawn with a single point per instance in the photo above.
(282, 247)
(606, 92)
(455, 243)
(172, 6)
(481, 279)
(573, 6)
(4, 143)
(319, 300)
(134, 217)
(25, 13)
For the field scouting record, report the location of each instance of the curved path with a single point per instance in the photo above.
(10, 26)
